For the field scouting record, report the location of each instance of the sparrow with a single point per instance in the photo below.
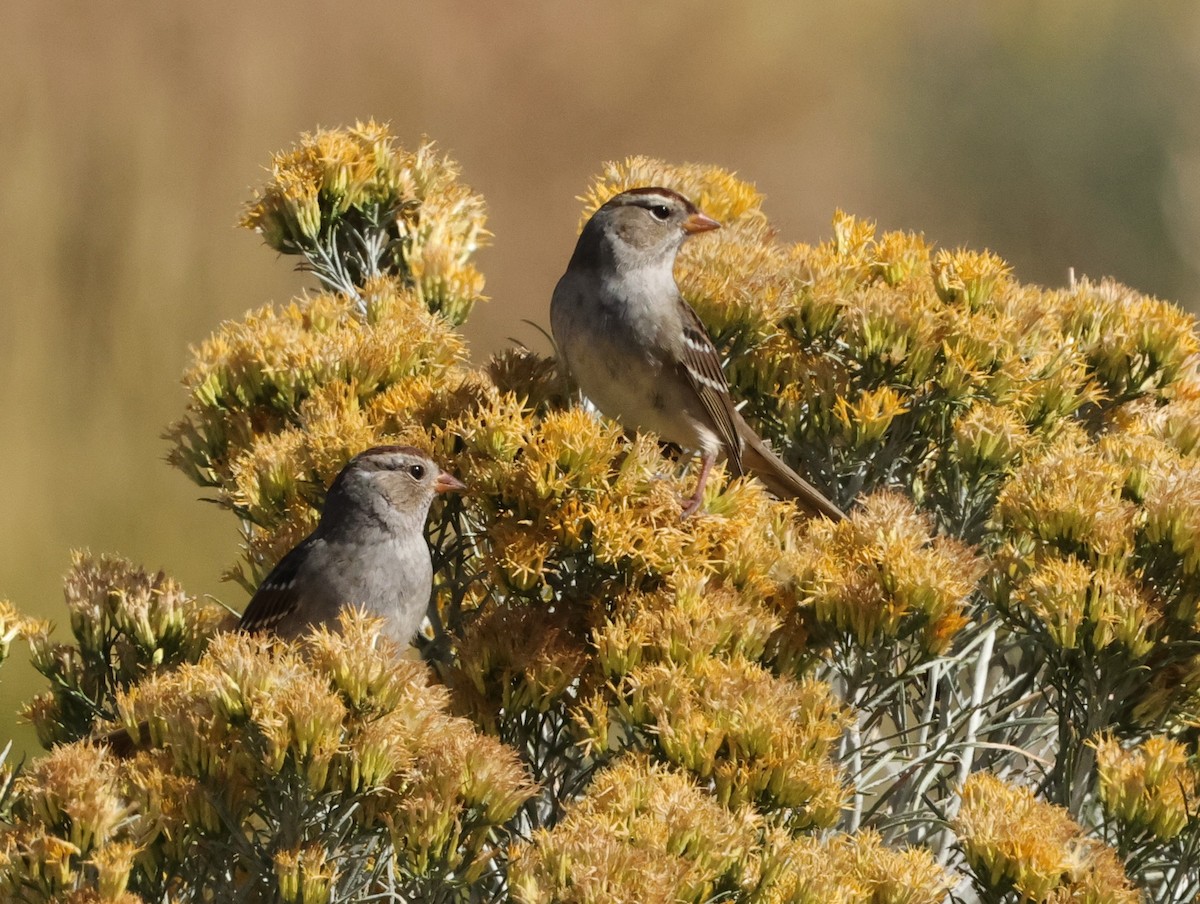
(640, 353)
(367, 550)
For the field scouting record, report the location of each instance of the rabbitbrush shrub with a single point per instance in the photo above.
(983, 686)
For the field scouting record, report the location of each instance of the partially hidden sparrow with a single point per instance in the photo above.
(640, 353)
(368, 550)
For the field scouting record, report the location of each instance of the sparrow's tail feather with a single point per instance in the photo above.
(781, 480)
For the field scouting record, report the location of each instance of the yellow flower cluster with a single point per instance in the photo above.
(13, 625)
(1082, 606)
(641, 833)
(1151, 786)
(645, 833)
(1014, 842)
(304, 874)
(1070, 499)
(1100, 540)
(337, 738)
(658, 628)
(1134, 344)
(989, 437)
(756, 737)
(74, 833)
(969, 278)
(259, 731)
(881, 575)
(338, 185)
(1172, 511)
(848, 869)
(126, 624)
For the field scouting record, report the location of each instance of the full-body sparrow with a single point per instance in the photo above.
(640, 353)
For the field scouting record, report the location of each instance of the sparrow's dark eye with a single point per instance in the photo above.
(417, 471)
(660, 211)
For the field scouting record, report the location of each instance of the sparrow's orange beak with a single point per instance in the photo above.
(699, 222)
(448, 483)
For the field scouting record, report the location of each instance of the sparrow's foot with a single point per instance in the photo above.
(697, 497)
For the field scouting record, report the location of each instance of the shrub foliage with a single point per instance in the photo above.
(983, 686)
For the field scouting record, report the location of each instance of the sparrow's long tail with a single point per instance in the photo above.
(781, 480)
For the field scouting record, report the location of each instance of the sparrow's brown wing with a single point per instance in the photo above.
(278, 596)
(701, 366)
(779, 478)
(746, 451)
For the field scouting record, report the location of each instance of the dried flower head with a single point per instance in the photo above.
(642, 832)
(74, 791)
(1071, 499)
(881, 574)
(845, 869)
(758, 738)
(1013, 841)
(357, 206)
(1150, 786)
(13, 625)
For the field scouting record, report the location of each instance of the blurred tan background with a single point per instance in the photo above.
(1058, 135)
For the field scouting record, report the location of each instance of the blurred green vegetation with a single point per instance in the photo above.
(1058, 135)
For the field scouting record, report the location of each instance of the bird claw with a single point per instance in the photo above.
(691, 506)
(697, 497)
